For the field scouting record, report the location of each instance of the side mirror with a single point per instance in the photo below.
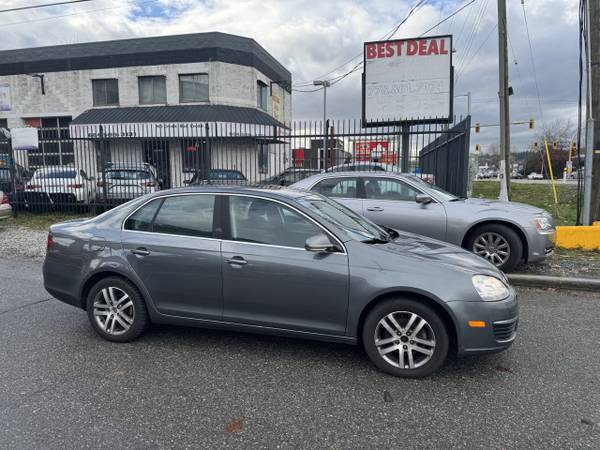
(318, 244)
(424, 199)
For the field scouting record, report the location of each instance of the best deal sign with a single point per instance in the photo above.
(407, 80)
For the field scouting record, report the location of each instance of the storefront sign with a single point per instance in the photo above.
(276, 107)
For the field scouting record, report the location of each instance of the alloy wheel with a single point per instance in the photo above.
(493, 247)
(113, 310)
(405, 340)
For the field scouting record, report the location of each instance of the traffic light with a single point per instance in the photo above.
(535, 145)
(477, 127)
(555, 145)
(477, 148)
(531, 124)
(573, 150)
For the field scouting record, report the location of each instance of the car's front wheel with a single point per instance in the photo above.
(117, 310)
(497, 243)
(405, 338)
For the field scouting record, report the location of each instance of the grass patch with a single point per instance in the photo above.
(41, 221)
(537, 194)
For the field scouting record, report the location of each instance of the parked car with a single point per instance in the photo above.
(504, 233)
(5, 208)
(126, 181)
(61, 185)
(13, 188)
(290, 176)
(517, 176)
(219, 176)
(535, 176)
(378, 167)
(282, 262)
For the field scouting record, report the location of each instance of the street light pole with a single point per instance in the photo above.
(468, 95)
(325, 85)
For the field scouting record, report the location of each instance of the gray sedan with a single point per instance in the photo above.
(504, 233)
(282, 262)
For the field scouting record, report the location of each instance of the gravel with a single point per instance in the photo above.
(22, 242)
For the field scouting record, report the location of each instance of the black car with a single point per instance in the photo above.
(14, 188)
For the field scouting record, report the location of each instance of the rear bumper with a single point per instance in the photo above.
(59, 284)
(5, 211)
(501, 321)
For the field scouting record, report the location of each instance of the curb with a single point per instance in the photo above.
(544, 281)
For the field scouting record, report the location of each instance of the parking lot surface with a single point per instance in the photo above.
(61, 386)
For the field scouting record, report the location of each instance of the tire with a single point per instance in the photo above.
(402, 310)
(123, 323)
(507, 237)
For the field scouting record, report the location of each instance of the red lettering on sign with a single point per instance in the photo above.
(443, 50)
(399, 45)
(371, 51)
(412, 47)
(380, 50)
(389, 49)
(433, 48)
(422, 47)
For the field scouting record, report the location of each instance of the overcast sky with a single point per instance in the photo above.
(312, 38)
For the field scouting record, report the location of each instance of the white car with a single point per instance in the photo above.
(5, 208)
(62, 185)
(535, 176)
(126, 181)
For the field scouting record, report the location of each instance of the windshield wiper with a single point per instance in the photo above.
(375, 240)
(456, 199)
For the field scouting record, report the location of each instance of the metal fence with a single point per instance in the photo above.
(95, 167)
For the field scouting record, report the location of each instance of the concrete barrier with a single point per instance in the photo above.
(583, 237)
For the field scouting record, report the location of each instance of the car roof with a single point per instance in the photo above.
(271, 191)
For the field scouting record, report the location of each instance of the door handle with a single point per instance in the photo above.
(237, 260)
(374, 208)
(140, 251)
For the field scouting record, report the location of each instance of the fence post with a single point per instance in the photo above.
(405, 133)
(13, 174)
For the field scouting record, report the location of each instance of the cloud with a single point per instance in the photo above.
(313, 37)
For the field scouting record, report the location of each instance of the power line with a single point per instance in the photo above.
(45, 5)
(448, 17)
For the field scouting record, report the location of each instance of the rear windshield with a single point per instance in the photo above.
(226, 175)
(4, 175)
(56, 174)
(127, 174)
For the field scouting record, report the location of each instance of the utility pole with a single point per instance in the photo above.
(503, 94)
(325, 85)
(591, 199)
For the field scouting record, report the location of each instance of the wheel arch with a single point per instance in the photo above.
(95, 277)
(513, 226)
(436, 304)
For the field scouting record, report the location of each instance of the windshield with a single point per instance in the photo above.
(438, 191)
(127, 175)
(356, 226)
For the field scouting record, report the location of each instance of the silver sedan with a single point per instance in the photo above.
(504, 233)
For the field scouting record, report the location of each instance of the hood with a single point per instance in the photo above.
(429, 250)
(497, 205)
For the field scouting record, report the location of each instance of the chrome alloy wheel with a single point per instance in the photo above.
(405, 340)
(113, 310)
(493, 247)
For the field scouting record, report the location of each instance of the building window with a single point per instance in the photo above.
(261, 95)
(263, 158)
(55, 144)
(193, 88)
(106, 92)
(153, 90)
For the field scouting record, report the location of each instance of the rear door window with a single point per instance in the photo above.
(186, 215)
(141, 220)
(337, 187)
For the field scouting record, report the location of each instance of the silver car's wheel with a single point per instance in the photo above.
(114, 311)
(405, 340)
(492, 246)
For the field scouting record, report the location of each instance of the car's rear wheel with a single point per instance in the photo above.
(405, 338)
(498, 244)
(117, 310)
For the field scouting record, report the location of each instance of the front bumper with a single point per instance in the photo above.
(501, 321)
(540, 245)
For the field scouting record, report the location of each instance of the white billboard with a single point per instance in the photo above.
(24, 138)
(407, 80)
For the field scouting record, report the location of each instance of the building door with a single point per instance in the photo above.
(157, 154)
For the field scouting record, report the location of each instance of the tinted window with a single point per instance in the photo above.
(127, 175)
(389, 189)
(188, 215)
(337, 187)
(267, 222)
(141, 220)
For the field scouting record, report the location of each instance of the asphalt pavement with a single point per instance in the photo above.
(63, 387)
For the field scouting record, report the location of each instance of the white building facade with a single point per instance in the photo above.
(157, 100)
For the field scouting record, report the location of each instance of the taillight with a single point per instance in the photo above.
(33, 186)
(49, 242)
(4, 200)
(75, 186)
(150, 184)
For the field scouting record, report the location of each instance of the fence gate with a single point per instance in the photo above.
(447, 158)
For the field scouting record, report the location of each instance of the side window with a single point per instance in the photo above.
(267, 222)
(337, 187)
(141, 220)
(389, 189)
(188, 215)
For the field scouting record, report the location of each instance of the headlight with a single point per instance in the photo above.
(490, 289)
(543, 224)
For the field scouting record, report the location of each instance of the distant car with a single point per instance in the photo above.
(517, 176)
(368, 166)
(126, 181)
(13, 188)
(535, 176)
(5, 208)
(62, 185)
(290, 176)
(225, 176)
(504, 233)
